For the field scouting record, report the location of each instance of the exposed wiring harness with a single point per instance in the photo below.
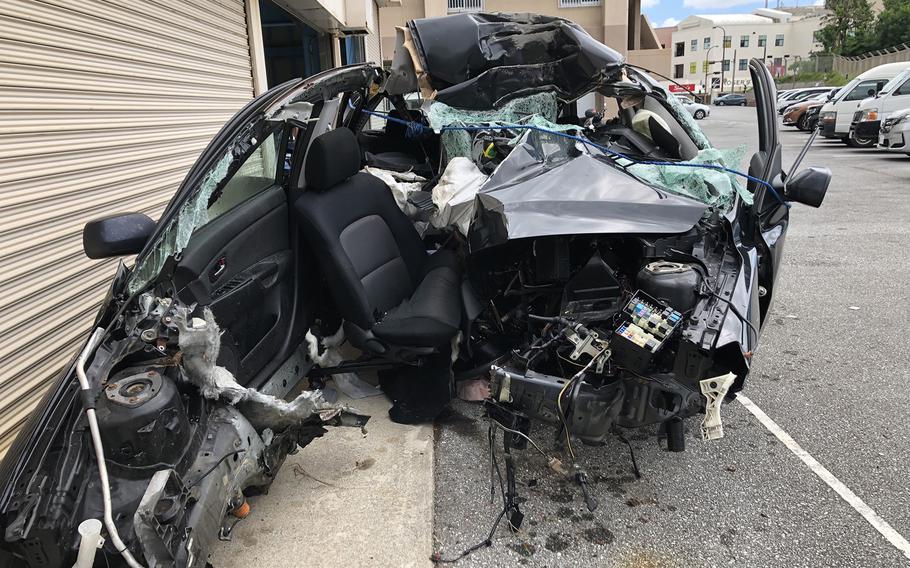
(416, 129)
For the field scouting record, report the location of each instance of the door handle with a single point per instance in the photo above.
(218, 269)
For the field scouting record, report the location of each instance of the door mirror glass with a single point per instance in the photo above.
(809, 186)
(116, 235)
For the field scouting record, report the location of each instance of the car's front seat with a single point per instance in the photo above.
(395, 298)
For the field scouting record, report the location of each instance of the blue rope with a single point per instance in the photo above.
(416, 129)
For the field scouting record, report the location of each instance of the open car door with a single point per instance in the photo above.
(771, 213)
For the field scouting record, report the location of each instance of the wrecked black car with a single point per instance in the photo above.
(456, 216)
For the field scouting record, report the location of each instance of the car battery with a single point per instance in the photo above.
(644, 327)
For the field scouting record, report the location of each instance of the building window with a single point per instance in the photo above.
(779, 40)
(678, 71)
(693, 45)
(744, 41)
(457, 6)
(762, 40)
(680, 49)
(693, 68)
(728, 41)
(726, 64)
(743, 64)
(576, 3)
(707, 43)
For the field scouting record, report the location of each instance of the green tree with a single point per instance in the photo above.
(893, 24)
(848, 27)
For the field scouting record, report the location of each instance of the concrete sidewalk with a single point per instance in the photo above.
(345, 500)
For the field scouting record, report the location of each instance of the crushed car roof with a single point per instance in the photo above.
(479, 60)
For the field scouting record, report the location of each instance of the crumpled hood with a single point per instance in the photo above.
(477, 61)
(530, 197)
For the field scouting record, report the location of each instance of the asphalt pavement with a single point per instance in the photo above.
(831, 370)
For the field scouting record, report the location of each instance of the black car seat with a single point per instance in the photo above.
(398, 155)
(396, 299)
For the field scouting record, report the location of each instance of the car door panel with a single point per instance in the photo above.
(241, 266)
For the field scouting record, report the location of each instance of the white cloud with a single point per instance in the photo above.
(669, 23)
(649, 3)
(711, 4)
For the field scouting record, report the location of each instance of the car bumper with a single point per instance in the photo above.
(827, 129)
(895, 139)
(867, 129)
(791, 119)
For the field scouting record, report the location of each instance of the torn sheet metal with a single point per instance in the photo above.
(550, 186)
(455, 194)
(481, 60)
(200, 341)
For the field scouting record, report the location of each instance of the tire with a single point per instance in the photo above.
(803, 123)
(861, 142)
(742, 104)
(719, 103)
(699, 114)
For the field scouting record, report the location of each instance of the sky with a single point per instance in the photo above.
(670, 12)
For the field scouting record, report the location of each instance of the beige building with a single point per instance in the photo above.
(617, 23)
(705, 46)
(104, 107)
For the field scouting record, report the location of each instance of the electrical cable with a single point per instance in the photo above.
(417, 129)
(735, 312)
(211, 469)
(522, 434)
(437, 557)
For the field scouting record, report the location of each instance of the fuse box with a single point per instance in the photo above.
(645, 325)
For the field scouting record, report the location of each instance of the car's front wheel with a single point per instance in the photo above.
(854, 142)
(719, 103)
(803, 123)
(742, 104)
(699, 114)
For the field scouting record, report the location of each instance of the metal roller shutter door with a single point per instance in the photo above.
(104, 105)
(371, 42)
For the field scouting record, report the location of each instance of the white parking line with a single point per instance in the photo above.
(852, 499)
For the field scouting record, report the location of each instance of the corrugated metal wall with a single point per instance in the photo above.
(104, 105)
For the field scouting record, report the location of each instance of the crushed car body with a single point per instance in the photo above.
(456, 216)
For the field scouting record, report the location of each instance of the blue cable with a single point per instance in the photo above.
(415, 129)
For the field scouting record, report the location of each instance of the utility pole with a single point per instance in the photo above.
(733, 66)
(723, 53)
(707, 66)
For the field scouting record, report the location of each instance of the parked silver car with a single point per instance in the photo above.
(697, 110)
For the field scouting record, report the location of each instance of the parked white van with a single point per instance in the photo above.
(836, 116)
(867, 120)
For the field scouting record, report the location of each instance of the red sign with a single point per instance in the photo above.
(684, 88)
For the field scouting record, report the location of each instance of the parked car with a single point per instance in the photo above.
(697, 110)
(799, 95)
(626, 301)
(869, 116)
(836, 117)
(895, 132)
(796, 113)
(731, 99)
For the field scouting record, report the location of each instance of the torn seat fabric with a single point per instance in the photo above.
(379, 273)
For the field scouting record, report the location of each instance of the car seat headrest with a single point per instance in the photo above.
(332, 158)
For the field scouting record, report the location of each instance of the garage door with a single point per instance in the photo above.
(104, 105)
(371, 42)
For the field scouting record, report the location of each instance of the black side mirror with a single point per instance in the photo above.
(808, 186)
(590, 113)
(116, 235)
(871, 92)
